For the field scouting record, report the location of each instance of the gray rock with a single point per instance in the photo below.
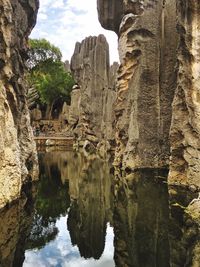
(92, 98)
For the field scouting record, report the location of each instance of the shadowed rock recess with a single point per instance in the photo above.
(17, 149)
(157, 105)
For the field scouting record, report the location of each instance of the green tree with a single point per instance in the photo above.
(41, 50)
(47, 73)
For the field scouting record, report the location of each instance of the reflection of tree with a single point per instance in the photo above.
(52, 202)
(41, 233)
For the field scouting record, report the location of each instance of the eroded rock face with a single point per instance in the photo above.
(146, 80)
(109, 97)
(185, 130)
(91, 112)
(17, 150)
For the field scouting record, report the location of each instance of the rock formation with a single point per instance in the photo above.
(92, 98)
(152, 78)
(146, 78)
(108, 104)
(17, 150)
(185, 129)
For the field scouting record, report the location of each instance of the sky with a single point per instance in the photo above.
(64, 22)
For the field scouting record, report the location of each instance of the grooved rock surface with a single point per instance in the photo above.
(109, 98)
(92, 98)
(146, 79)
(185, 130)
(17, 149)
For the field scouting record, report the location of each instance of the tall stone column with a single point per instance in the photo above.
(90, 68)
(185, 129)
(17, 150)
(146, 78)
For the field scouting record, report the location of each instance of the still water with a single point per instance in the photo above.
(79, 215)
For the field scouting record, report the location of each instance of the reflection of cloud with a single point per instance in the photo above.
(65, 22)
(60, 252)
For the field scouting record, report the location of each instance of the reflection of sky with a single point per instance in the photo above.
(60, 252)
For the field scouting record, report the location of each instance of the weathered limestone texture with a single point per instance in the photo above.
(109, 98)
(17, 149)
(146, 78)
(90, 68)
(185, 130)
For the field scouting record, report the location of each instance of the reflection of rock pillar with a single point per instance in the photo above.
(141, 221)
(15, 224)
(89, 213)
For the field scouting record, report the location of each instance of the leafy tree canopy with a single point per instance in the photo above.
(41, 50)
(47, 72)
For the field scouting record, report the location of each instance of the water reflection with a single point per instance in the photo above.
(82, 186)
(52, 203)
(184, 232)
(82, 216)
(90, 209)
(15, 224)
(141, 220)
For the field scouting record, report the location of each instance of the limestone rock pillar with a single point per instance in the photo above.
(17, 149)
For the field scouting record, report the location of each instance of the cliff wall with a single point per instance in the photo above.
(146, 79)
(157, 106)
(185, 129)
(17, 150)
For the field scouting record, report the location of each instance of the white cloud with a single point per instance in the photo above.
(64, 22)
